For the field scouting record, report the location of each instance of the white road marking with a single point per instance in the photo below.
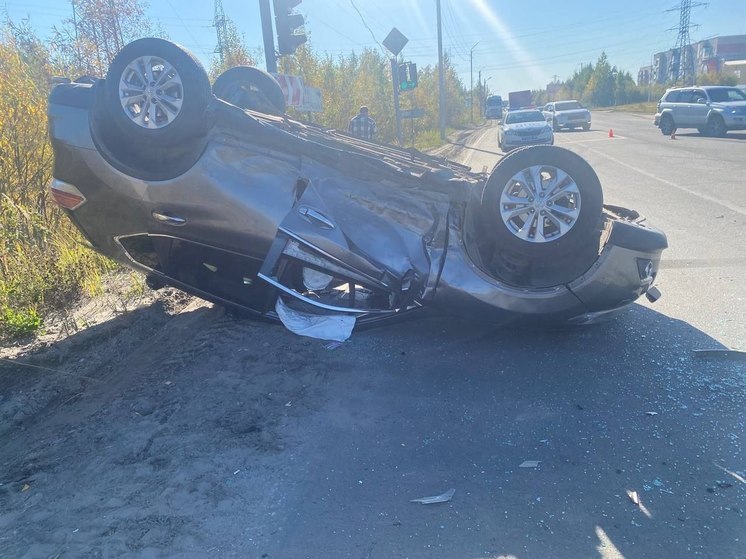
(669, 183)
(616, 137)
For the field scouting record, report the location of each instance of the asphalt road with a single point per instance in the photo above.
(209, 436)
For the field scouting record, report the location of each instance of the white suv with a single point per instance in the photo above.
(713, 110)
(567, 114)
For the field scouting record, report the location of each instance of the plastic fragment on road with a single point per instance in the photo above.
(633, 497)
(444, 498)
(333, 326)
(651, 413)
(333, 345)
(734, 354)
(530, 464)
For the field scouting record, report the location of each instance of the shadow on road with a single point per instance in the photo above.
(196, 433)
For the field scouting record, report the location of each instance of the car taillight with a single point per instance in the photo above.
(66, 195)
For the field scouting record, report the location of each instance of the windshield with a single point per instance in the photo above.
(568, 106)
(729, 94)
(524, 116)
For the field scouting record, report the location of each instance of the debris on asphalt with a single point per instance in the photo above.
(734, 354)
(332, 326)
(530, 464)
(25, 487)
(444, 498)
(333, 345)
(651, 413)
(633, 497)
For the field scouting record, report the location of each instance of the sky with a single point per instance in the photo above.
(513, 45)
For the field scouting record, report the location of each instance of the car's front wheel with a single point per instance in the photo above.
(542, 207)
(250, 88)
(667, 125)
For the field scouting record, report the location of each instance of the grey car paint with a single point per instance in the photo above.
(268, 192)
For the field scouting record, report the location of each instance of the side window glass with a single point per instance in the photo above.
(673, 97)
(685, 96)
(697, 95)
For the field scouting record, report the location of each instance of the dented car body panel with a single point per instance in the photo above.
(273, 207)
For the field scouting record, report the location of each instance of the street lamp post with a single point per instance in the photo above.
(471, 81)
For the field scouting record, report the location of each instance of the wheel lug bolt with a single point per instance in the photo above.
(530, 199)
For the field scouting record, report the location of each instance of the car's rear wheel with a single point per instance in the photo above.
(667, 125)
(250, 88)
(150, 118)
(157, 92)
(555, 125)
(716, 126)
(542, 207)
(586, 127)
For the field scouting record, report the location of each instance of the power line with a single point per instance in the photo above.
(366, 25)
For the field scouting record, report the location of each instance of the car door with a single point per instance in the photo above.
(699, 108)
(681, 109)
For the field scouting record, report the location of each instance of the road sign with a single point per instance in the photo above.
(395, 41)
(412, 113)
(312, 102)
(292, 88)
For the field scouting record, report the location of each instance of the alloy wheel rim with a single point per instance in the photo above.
(540, 204)
(151, 92)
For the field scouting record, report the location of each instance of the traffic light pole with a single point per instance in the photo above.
(395, 81)
(269, 38)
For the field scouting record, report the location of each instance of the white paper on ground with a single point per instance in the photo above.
(332, 326)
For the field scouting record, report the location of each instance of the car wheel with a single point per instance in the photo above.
(555, 125)
(542, 207)
(250, 88)
(716, 126)
(157, 93)
(152, 132)
(586, 127)
(702, 130)
(667, 125)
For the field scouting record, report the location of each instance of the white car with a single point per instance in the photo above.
(567, 114)
(524, 128)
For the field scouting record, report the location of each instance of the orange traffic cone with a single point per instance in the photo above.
(611, 132)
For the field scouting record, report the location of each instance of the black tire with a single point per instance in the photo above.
(586, 127)
(667, 125)
(716, 126)
(702, 130)
(193, 92)
(250, 88)
(554, 260)
(555, 125)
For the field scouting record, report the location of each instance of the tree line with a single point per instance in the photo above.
(604, 85)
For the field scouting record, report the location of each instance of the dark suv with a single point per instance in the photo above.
(713, 110)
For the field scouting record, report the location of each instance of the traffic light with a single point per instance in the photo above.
(286, 23)
(407, 76)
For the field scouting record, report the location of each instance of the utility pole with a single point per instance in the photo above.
(269, 38)
(685, 69)
(77, 41)
(220, 27)
(441, 79)
(479, 87)
(471, 81)
(395, 81)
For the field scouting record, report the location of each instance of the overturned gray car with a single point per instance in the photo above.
(214, 190)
